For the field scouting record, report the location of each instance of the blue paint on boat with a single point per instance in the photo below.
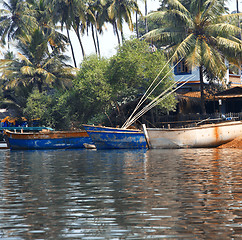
(115, 138)
(37, 144)
(102, 128)
(47, 140)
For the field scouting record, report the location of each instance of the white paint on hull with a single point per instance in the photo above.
(209, 135)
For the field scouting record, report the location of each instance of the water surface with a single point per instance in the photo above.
(120, 194)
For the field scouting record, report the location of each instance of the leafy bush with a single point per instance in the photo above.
(51, 109)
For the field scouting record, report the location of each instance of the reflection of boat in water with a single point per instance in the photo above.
(47, 139)
(116, 138)
(207, 135)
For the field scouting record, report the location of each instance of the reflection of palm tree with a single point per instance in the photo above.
(15, 19)
(36, 66)
(199, 32)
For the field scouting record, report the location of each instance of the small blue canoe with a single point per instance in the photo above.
(47, 140)
(116, 138)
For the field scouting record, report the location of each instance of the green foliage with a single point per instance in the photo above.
(91, 89)
(36, 65)
(52, 110)
(101, 86)
(200, 31)
(134, 68)
(152, 24)
(38, 106)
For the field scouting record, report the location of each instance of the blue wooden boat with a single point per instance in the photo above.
(47, 140)
(116, 138)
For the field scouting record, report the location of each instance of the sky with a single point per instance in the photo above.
(109, 42)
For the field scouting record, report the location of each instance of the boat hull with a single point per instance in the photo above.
(116, 138)
(47, 140)
(210, 135)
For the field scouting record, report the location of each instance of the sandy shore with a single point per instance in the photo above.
(236, 143)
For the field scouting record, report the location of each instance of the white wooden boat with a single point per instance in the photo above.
(208, 135)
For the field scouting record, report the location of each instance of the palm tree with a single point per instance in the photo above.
(96, 16)
(121, 10)
(36, 66)
(60, 13)
(69, 14)
(201, 32)
(15, 19)
(44, 17)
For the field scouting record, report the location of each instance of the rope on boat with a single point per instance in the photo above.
(156, 101)
(146, 94)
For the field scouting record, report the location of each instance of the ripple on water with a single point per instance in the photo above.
(155, 194)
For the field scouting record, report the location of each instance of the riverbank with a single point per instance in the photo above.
(236, 143)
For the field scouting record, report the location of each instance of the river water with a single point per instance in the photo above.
(121, 194)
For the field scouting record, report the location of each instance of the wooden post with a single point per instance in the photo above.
(146, 135)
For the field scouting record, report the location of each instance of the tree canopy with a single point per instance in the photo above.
(38, 32)
(202, 32)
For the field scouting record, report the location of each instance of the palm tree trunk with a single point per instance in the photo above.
(76, 29)
(237, 9)
(202, 90)
(122, 35)
(137, 27)
(93, 37)
(146, 24)
(98, 45)
(39, 85)
(116, 31)
(72, 51)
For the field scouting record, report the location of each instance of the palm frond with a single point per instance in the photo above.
(176, 4)
(231, 48)
(24, 58)
(194, 58)
(223, 29)
(183, 48)
(50, 78)
(27, 70)
(229, 17)
(111, 11)
(212, 60)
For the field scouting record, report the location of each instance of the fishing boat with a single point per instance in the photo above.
(116, 138)
(46, 139)
(204, 136)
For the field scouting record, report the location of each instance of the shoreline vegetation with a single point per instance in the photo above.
(40, 83)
